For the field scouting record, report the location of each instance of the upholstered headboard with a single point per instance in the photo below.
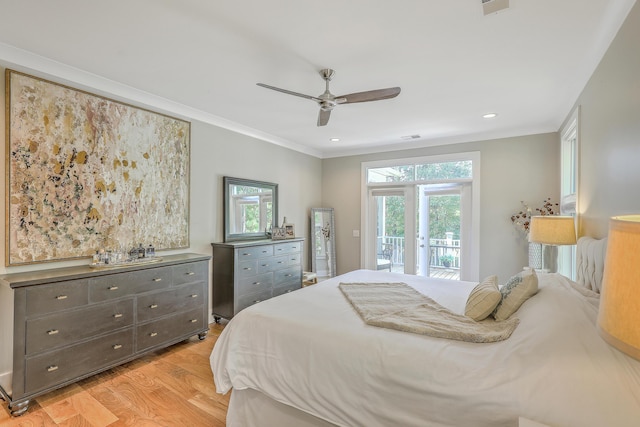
(590, 262)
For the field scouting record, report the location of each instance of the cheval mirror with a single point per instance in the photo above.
(323, 244)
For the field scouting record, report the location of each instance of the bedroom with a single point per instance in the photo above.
(514, 168)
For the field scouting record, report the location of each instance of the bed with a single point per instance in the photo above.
(307, 359)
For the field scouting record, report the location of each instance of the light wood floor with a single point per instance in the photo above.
(171, 387)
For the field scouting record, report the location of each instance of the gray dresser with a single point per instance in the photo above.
(70, 323)
(247, 272)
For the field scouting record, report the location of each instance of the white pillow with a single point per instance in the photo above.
(515, 292)
(483, 299)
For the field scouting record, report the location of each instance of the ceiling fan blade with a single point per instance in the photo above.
(323, 117)
(289, 92)
(370, 95)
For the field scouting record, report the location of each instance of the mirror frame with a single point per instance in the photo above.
(228, 181)
(331, 242)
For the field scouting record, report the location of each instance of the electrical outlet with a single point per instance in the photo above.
(356, 233)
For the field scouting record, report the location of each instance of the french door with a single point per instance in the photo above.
(421, 214)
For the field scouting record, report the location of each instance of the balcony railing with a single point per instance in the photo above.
(439, 248)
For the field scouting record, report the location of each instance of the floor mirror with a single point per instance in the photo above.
(323, 243)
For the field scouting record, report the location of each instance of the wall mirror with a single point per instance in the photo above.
(250, 208)
(323, 243)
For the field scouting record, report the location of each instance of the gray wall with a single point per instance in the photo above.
(518, 169)
(609, 182)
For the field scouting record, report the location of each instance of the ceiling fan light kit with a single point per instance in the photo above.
(327, 101)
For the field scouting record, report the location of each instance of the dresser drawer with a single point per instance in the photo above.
(187, 273)
(247, 268)
(51, 368)
(286, 248)
(169, 328)
(59, 329)
(162, 303)
(289, 275)
(122, 284)
(249, 285)
(57, 296)
(294, 259)
(254, 252)
(289, 287)
(274, 263)
(250, 299)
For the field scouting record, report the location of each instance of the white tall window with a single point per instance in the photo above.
(421, 215)
(569, 156)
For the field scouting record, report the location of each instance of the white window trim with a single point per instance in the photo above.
(473, 262)
(570, 131)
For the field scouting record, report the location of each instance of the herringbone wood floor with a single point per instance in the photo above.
(171, 387)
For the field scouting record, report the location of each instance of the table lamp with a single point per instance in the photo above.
(619, 314)
(552, 231)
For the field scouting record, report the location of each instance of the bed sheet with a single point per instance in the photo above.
(311, 351)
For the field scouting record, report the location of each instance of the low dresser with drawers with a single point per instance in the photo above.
(62, 325)
(247, 272)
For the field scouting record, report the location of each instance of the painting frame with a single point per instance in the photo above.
(86, 172)
(289, 231)
(278, 233)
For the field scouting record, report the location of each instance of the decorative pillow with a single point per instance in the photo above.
(515, 292)
(483, 299)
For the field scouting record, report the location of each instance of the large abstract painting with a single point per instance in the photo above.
(85, 172)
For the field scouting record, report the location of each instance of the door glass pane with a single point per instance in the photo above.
(438, 234)
(390, 238)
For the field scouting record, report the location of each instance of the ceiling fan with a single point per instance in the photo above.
(327, 101)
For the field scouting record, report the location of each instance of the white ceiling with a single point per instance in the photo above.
(203, 58)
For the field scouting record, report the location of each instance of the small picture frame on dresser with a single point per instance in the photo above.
(289, 231)
(278, 233)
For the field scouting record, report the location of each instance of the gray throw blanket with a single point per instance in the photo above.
(399, 306)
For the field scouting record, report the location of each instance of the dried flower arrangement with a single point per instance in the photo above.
(522, 219)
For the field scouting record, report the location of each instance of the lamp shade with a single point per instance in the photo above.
(552, 230)
(619, 314)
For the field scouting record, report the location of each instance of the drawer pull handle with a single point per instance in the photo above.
(191, 273)
(193, 320)
(264, 252)
(53, 332)
(117, 346)
(113, 288)
(293, 259)
(247, 268)
(157, 279)
(117, 315)
(257, 301)
(257, 283)
(265, 265)
(153, 306)
(153, 334)
(194, 296)
(280, 262)
(52, 368)
(60, 297)
(246, 254)
(288, 275)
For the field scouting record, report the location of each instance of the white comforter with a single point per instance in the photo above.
(310, 350)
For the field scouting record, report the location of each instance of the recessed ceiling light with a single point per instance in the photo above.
(335, 140)
(489, 115)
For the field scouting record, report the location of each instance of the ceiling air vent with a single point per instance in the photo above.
(493, 6)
